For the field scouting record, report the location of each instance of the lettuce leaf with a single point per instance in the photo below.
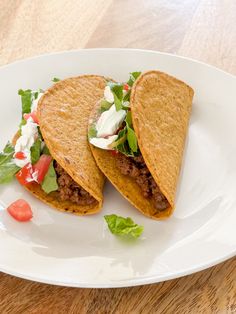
(7, 167)
(117, 90)
(105, 105)
(92, 131)
(26, 100)
(35, 150)
(133, 77)
(50, 180)
(55, 79)
(27, 97)
(132, 139)
(123, 226)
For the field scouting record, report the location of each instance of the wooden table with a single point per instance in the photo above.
(201, 29)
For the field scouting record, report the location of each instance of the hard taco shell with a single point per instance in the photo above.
(160, 106)
(63, 113)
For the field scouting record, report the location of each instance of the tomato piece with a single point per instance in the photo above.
(20, 155)
(41, 167)
(114, 152)
(32, 115)
(25, 175)
(20, 210)
(126, 87)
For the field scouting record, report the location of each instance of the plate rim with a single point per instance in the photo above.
(47, 54)
(132, 282)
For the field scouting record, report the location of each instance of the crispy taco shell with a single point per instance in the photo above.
(63, 113)
(161, 107)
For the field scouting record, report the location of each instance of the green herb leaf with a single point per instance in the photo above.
(127, 96)
(46, 150)
(7, 167)
(117, 90)
(123, 226)
(121, 144)
(26, 100)
(122, 136)
(7, 171)
(50, 180)
(128, 119)
(132, 139)
(36, 150)
(118, 103)
(9, 149)
(7, 153)
(55, 79)
(105, 105)
(27, 97)
(92, 131)
(133, 77)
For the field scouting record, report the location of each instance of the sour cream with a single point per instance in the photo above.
(35, 102)
(108, 95)
(110, 121)
(29, 133)
(103, 142)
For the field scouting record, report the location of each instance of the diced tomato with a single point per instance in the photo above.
(25, 175)
(31, 115)
(20, 155)
(20, 210)
(126, 87)
(42, 166)
(114, 152)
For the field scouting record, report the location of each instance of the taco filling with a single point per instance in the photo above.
(29, 159)
(112, 129)
(69, 190)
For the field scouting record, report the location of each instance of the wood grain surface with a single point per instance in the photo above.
(201, 29)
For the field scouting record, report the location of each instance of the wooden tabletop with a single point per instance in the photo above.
(200, 29)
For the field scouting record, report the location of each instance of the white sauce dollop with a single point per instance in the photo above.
(108, 95)
(103, 142)
(29, 133)
(110, 121)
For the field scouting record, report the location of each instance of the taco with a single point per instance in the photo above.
(137, 133)
(50, 154)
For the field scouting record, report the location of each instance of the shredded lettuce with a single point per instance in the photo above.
(36, 150)
(7, 167)
(55, 79)
(132, 139)
(123, 226)
(105, 105)
(50, 180)
(92, 131)
(133, 77)
(117, 91)
(27, 98)
(126, 142)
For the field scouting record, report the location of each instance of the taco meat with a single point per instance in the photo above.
(136, 168)
(69, 189)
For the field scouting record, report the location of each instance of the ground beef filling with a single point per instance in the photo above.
(136, 168)
(69, 189)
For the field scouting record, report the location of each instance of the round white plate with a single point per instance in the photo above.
(63, 249)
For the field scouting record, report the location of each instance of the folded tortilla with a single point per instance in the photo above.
(63, 112)
(160, 107)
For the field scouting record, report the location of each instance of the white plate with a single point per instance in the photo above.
(63, 249)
